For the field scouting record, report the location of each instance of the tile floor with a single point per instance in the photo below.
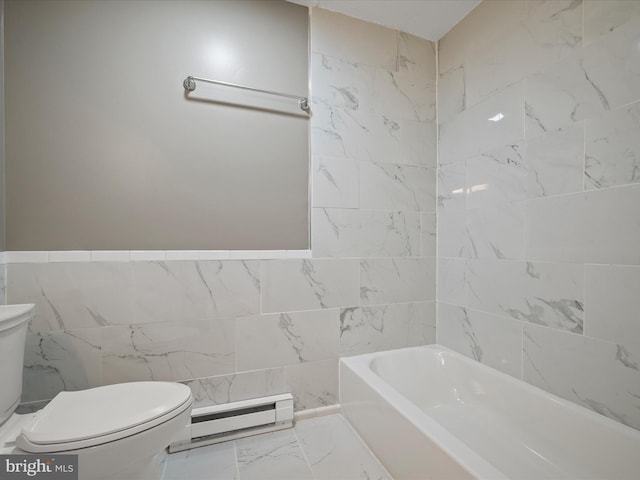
(317, 448)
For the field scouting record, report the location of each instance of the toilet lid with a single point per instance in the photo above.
(96, 412)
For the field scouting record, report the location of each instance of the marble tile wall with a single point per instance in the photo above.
(539, 196)
(236, 329)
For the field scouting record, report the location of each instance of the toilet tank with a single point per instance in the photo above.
(14, 320)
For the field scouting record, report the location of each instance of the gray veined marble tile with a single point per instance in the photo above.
(341, 84)
(550, 294)
(335, 452)
(235, 387)
(291, 285)
(428, 225)
(599, 375)
(384, 327)
(396, 280)
(275, 340)
(275, 456)
(312, 385)
(404, 94)
(452, 98)
(73, 295)
(452, 281)
(403, 141)
(612, 148)
(168, 351)
(453, 236)
(604, 76)
(604, 16)
(193, 290)
(60, 361)
(496, 232)
(335, 182)
(213, 462)
(396, 187)
(416, 56)
(452, 186)
(365, 233)
(612, 303)
(489, 339)
(600, 226)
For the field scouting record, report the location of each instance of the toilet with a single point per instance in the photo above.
(119, 432)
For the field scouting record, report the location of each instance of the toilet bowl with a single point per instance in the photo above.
(119, 432)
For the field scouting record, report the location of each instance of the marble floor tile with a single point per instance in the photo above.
(213, 462)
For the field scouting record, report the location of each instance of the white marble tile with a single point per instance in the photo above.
(341, 84)
(605, 75)
(404, 141)
(417, 56)
(612, 149)
(428, 224)
(60, 361)
(235, 387)
(452, 281)
(477, 31)
(451, 94)
(500, 176)
(601, 226)
(496, 232)
(489, 339)
(611, 303)
(335, 452)
(498, 120)
(604, 16)
(193, 290)
(73, 295)
(313, 385)
(396, 187)
(365, 233)
(550, 294)
(403, 94)
(353, 40)
(453, 237)
(274, 340)
(397, 280)
(212, 462)
(384, 327)
(602, 376)
(168, 351)
(335, 182)
(452, 186)
(549, 32)
(556, 161)
(291, 285)
(276, 456)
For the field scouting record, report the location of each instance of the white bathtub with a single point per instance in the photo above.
(429, 412)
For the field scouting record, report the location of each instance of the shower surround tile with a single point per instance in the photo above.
(235, 387)
(550, 294)
(291, 285)
(397, 280)
(496, 233)
(60, 361)
(384, 327)
(452, 186)
(194, 290)
(452, 281)
(489, 339)
(365, 233)
(72, 295)
(335, 182)
(396, 187)
(403, 94)
(604, 16)
(567, 364)
(428, 225)
(276, 340)
(168, 351)
(612, 148)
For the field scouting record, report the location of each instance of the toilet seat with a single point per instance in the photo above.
(87, 418)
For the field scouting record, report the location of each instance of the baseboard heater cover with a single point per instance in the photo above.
(219, 423)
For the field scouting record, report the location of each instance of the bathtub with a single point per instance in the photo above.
(429, 412)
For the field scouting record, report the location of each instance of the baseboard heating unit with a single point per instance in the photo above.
(219, 423)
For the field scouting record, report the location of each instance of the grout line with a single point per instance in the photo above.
(235, 455)
(304, 453)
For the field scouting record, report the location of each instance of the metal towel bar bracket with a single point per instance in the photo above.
(189, 84)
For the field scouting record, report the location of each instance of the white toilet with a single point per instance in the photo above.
(118, 431)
